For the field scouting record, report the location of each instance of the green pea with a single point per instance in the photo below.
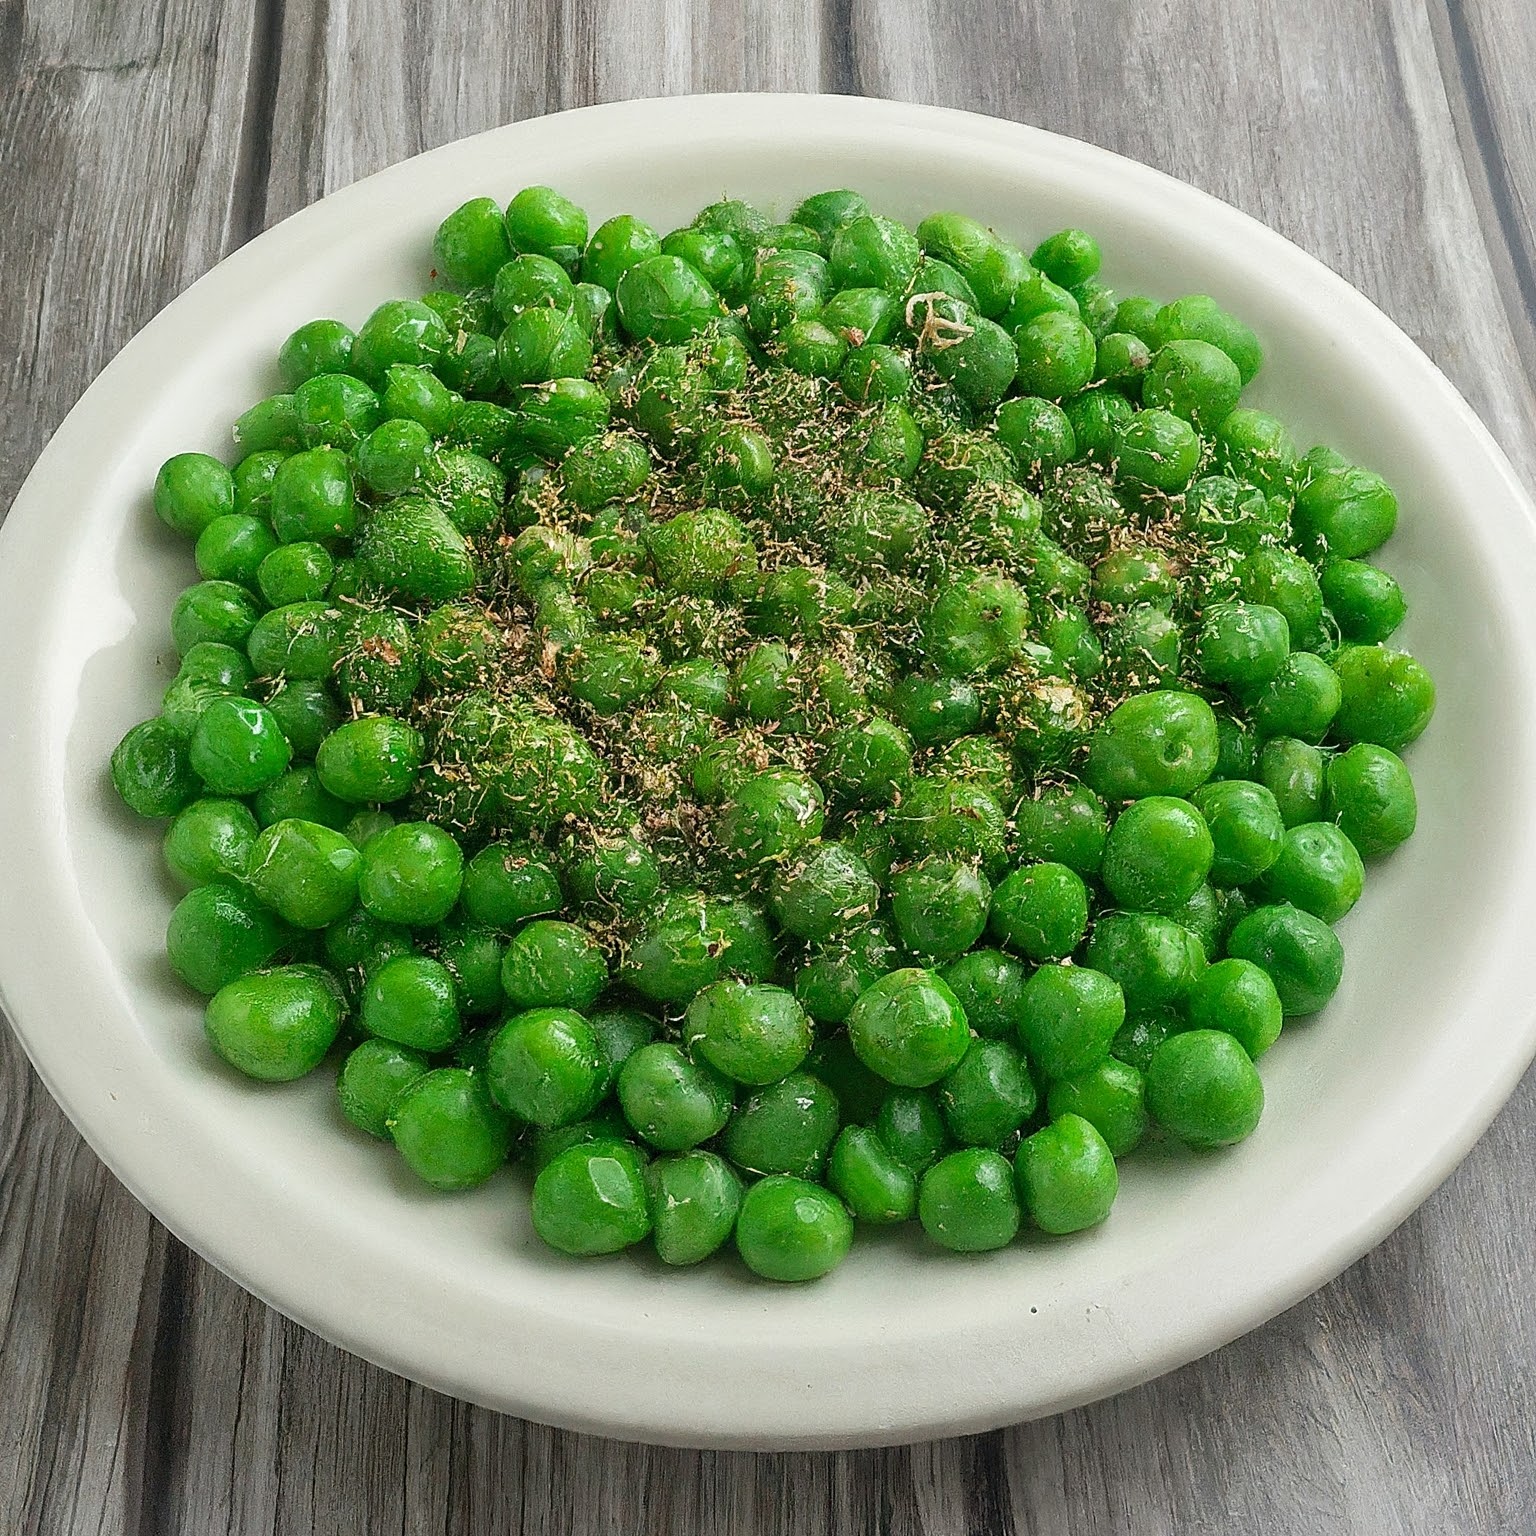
(828, 212)
(981, 362)
(1254, 446)
(471, 244)
(1367, 603)
(299, 795)
(1056, 353)
(876, 1187)
(447, 1129)
(1041, 911)
(318, 347)
(1110, 1096)
(990, 988)
(990, 265)
(253, 477)
(374, 760)
(873, 252)
(411, 874)
(543, 222)
(1349, 512)
(268, 426)
(360, 942)
(770, 817)
(1035, 294)
(274, 1025)
(210, 840)
(1319, 871)
(1062, 824)
(417, 394)
(305, 872)
(615, 246)
(505, 884)
(472, 957)
(693, 940)
(213, 612)
(335, 410)
(469, 364)
(1193, 380)
(551, 964)
(605, 469)
(863, 317)
(1294, 772)
(1158, 854)
(950, 816)
(694, 1197)
(1245, 828)
(1243, 645)
(751, 1033)
(411, 1000)
(909, 1027)
(219, 932)
(193, 490)
(1157, 449)
(620, 1032)
(1301, 699)
(977, 624)
(877, 531)
(543, 344)
(1097, 418)
(306, 712)
(791, 1230)
(545, 1066)
(1197, 317)
(398, 331)
(237, 747)
(1301, 953)
(1137, 315)
(312, 497)
(989, 1095)
(1121, 360)
(1202, 1087)
(674, 1102)
(152, 769)
(375, 1077)
(1371, 797)
(1279, 579)
(295, 573)
(412, 548)
(1069, 257)
(1157, 743)
(967, 1202)
(1037, 433)
(821, 893)
(1066, 1176)
(940, 907)
(1128, 576)
(1155, 959)
(1238, 998)
(1387, 696)
(786, 1127)
(809, 347)
(231, 548)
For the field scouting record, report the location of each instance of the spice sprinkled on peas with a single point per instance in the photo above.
(794, 724)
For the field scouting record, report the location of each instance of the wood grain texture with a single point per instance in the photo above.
(146, 1393)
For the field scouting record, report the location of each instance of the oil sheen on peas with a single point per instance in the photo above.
(772, 727)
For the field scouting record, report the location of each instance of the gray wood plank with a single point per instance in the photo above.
(147, 1392)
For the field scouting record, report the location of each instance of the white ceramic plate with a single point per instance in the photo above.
(1370, 1105)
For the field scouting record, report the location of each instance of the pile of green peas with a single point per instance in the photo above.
(774, 726)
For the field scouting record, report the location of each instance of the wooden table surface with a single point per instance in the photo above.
(139, 143)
